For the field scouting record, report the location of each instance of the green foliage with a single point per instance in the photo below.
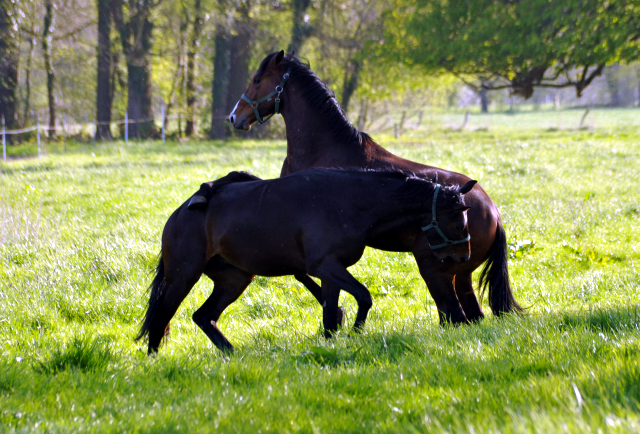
(520, 44)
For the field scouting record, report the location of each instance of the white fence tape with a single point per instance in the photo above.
(76, 127)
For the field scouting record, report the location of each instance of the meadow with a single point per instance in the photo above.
(80, 234)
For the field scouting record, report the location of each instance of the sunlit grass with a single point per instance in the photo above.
(80, 233)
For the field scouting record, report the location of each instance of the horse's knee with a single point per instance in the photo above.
(366, 302)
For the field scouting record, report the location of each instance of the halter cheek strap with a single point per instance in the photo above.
(276, 93)
(434, 225)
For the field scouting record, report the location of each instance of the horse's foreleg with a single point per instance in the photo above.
(316, 291)
(467, 297)
(439, 278)
(442, 291)
(331, 297)
(229, 283)
(334, 276)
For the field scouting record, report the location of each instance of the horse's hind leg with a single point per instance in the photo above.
(229, 283)
(334, 276)
(315, 289)
(467, 297)
(177, 287)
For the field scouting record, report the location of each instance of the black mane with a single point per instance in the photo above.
(414, 189)
(320, 97)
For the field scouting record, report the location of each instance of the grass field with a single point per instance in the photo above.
(80, 233)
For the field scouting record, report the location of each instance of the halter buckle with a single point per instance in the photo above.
(279, 89)
(254, 105)
(434, 223)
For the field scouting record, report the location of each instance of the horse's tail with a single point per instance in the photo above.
(495, 277)
(156, 290)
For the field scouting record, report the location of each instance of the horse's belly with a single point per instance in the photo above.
(264, 258)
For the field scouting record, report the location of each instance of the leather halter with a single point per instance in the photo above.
(434, 225)
(276, 93)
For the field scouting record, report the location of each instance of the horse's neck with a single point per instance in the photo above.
(310, 142)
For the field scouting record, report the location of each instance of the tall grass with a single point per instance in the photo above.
(79, 237)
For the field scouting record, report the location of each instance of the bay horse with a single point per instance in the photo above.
(320, 135)
(315, 222)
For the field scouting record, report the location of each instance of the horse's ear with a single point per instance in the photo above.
(278, 58)
(458, 207)
(467, 187)
(435, 178)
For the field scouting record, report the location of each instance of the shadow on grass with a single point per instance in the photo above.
(89, 354)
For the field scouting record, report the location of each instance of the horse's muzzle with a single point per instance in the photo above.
(239, 124)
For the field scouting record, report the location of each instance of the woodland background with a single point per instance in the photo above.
(66, 62)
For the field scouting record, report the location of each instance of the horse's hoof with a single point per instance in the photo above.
(197, 202)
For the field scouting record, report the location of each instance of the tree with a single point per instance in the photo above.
(8, 63)
(301, 29)
(104, 95)
(514, 44)
(48, 64)
(343, 30)
(192, 52)
(221, 63)
(136, 31)
(241, 50)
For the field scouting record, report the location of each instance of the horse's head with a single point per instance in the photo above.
(448, 231)
(261, 100)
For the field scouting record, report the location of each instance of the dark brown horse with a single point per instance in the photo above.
(319, 135)
(315, 222)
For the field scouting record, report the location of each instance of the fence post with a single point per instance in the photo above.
(38, 131)
(126, 128)
(4, 142)
(162, 120)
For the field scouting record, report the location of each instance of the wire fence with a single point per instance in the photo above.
(88, 126)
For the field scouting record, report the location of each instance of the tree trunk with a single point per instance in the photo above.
(136, 38)
(27, 79)
(301, 29)
(241, 45)
(484, 100)
(104, 94)
(351, 75)
(221, 63)
(48, 65)
(613, 82)
(172, 94)
(9, 57)
(139, 105)
(192, 54)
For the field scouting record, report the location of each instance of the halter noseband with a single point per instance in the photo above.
(275, 93)
(434, 225)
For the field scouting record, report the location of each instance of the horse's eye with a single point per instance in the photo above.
(256, 81)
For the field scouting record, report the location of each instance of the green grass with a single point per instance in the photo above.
(80, 233)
